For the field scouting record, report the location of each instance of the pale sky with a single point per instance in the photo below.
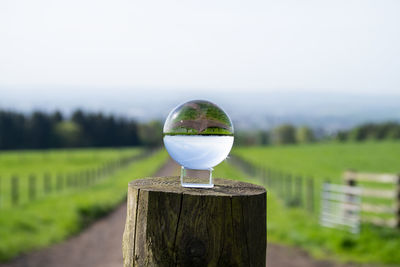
(339, 45)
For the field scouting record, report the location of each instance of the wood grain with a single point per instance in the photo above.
(168, 225)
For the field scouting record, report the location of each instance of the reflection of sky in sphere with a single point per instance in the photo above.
(198, 134)
(198, 152)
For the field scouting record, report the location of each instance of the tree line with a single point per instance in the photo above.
(371, 131)
(289, 134)
(41, 130)
(283, 134)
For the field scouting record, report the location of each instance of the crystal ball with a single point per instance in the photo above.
(198, 134)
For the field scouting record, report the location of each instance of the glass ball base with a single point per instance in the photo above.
(189, 181)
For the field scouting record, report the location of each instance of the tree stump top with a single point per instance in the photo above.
(222, 187)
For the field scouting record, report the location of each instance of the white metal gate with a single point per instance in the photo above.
(341, 207)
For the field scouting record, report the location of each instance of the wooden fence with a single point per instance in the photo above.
(294, 189)
(300, 191)
(16, 189)
(370, 195)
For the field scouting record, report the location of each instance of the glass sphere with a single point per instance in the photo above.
(198, 134)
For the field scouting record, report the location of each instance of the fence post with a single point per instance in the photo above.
(32, 187)
(14, 190)
(87, 177)
(398, 202)
(59, 182)
(76, 179)
(197, 242)
(348, 213)
(47, 183)
(288, 189)
(299, 191)
(1, 195)
(68, 180)
(310, 194)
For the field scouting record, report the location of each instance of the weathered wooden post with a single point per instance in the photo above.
(59, 185)
(32, 187)
(398, 202)
(299, 191)
(170, 225)
(1, 193)
(310, 194)
(46, 183)
(14, 190)
(289, 187)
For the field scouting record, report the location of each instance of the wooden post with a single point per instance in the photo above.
(69, 181)
(32, 187)
(398, 202)
(281, 179)
(310, 194)
(289, 187)
(15, 190)
(47, 183)
(76, 179)
(299, 190)
(348, 213)
(59, 182)
(169, 225)
(1, 193)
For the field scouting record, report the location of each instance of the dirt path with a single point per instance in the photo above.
(100, 246)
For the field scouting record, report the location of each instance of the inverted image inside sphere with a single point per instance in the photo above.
(198, 117)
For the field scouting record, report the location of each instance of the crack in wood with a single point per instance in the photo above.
(176, 229)
(134, 235)
(245, 235)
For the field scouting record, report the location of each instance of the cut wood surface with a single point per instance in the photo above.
(169, 225)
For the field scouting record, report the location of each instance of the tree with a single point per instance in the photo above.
(12, 130)
(151, 133)
(39, 130)
(304, 135)
(68, 133)
(284, 134)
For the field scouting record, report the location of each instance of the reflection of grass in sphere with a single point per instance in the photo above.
(198, 134)
(198, 117)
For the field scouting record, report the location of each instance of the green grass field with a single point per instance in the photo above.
(329, 160)
(54, 217)
(295, 226)
(22, 164)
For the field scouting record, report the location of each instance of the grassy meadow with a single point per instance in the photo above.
(56, 216)
(326, 160)
(23, 164)
(297, 227)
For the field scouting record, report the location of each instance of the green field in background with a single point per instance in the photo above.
(326, 160)
(58, 160)
(22, 164)
(297, 227)
(55, 217)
